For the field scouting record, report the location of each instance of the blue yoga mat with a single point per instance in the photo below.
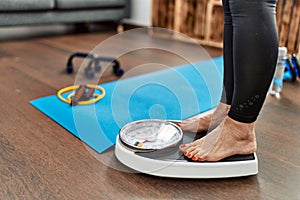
(171, 94)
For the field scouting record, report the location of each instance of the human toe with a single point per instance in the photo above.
(184, 147)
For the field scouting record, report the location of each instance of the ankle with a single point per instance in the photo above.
(224, 106)
(240, 130)
(221, 110)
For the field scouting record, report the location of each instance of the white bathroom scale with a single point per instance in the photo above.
(152, 147)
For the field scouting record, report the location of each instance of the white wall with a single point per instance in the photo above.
(141, 13)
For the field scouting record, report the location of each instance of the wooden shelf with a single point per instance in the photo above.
(288, 22)
(192, 18)
(202, 21)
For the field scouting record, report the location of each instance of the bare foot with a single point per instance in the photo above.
(207, 122)
(229, 138)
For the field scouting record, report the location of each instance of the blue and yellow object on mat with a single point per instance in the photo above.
(83, 95)
(171, 94)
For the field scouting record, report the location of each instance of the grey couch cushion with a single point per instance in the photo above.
(24, 5)
(76, 4)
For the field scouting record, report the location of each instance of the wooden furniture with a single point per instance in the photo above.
(288, 22)
(202, 20)
(194, 18)
(213, 30)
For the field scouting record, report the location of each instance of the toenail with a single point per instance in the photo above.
(178, 125)
(185, 153)
(182, 146)
(194, 158)
(189, 155)
(199, 159)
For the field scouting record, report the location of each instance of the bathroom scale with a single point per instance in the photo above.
(152, 147)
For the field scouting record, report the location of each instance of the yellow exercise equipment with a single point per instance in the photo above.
(68, 100)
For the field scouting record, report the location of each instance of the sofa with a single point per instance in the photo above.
(28, 12)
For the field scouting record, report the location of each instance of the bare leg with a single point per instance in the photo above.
(229, 138)
(208, 122)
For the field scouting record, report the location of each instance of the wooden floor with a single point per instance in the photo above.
(41, 160)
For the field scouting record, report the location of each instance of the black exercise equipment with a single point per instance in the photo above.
(93, 64)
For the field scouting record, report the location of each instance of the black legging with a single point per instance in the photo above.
(250, 54)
